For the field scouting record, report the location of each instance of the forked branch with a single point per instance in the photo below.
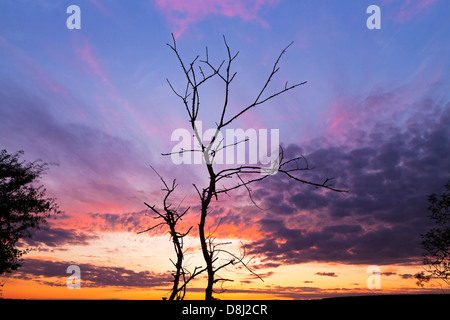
(170, 217)
(197, 73)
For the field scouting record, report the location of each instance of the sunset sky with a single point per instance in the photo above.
(95, 104)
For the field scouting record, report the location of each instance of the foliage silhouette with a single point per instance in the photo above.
(437, 240)
(23, 206)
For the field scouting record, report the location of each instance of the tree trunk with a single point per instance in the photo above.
(207, 255)
(179, 264)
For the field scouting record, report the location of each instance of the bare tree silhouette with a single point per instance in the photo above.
(182, 276)
(242, 175)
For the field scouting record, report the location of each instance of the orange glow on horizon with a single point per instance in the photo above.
(301, 281)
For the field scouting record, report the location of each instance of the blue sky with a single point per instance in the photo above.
(374, 113)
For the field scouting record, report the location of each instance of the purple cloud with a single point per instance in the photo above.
(91, 275)
(96, 170)
(57, 237)
(326, 274)
(389, 169)
(182, 14)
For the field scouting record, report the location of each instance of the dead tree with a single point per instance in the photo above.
(170, 217)
(196, 77)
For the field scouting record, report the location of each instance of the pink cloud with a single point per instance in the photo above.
(411, 9)
(31, 68)
(101, 7)
(183, 13)
(351, 116)
(85, 53)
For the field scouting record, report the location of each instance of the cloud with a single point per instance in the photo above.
(104, 10)
(45, 271)
(28, 68)
(93, 65)
(310, 292)
(183, 13)
(382, 246)
(57, 237)
(326, 274)
(85, 51)
(389, 164)
(115, 222)
(410, 9)
(95, 167)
